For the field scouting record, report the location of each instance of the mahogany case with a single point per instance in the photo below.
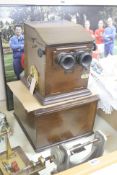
(61, 56)
(52, 125)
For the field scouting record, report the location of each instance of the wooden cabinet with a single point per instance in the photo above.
(54, 124)
(61, 56)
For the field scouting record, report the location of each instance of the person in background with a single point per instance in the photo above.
(17, 45)
(87, 27)
(99, 38)
(109, 38)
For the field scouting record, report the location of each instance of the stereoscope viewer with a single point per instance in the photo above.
(57, 59)
(58, 56)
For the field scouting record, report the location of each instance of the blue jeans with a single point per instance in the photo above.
(108, 49)
(17, 67)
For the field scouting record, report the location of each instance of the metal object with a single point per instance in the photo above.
(9, 151)
(66, 60)
(41, 52)
(12, 163)
(33, 168)
(84, 59)
(3, 122)
(4, 127)
(62, 154)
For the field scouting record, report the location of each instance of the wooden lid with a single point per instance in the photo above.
(61, 33)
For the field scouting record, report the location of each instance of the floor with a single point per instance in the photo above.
(19, 138)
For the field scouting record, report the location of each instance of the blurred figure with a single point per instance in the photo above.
(109, 38)
(17, 45)
(73, 19)
(99, 38)
(87, 27)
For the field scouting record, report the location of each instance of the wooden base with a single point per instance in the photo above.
(61, 97)
(52, 125)
(40, 149)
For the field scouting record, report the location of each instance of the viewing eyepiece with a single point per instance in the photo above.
(66, 61)
(84, 59)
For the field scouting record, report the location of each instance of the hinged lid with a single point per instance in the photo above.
(61, 33)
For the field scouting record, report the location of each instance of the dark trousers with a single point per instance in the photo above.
(17, 67)
(108, 49)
